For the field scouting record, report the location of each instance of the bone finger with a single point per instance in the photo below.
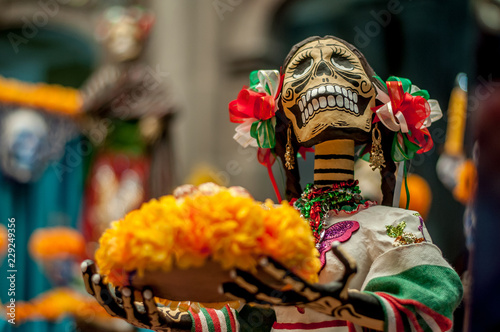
(155, 319)
(118, 295)
(282, 274)
(133, 315)
(88, 270)
(236, 292)
(267, 293)
(105, 298)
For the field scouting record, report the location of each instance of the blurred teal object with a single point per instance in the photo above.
(55, 199)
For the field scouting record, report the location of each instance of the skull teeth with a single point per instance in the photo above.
(331, 101)
(327, 96)
(322, 102)
(340, 101)
(315, 104)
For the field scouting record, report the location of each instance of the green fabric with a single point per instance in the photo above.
(254, 79)
(210, 323)
(263, 132)
(406, 83)
(436, 287)
(125, 137)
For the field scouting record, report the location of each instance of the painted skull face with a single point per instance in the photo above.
(326, 93)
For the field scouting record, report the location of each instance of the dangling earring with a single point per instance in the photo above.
(289, 159)
(376, 155)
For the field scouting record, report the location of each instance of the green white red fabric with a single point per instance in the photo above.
(417, 288)
(419, 293)
(212, 320)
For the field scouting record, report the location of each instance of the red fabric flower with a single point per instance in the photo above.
(411, 112)
(251, 104)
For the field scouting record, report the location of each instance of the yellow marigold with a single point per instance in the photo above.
(51, 97)
(56, 243)
(209, 222)
(3, 240)
(59, 302)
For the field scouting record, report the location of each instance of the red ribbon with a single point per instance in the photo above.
(251, 104)
(267, 158)
(415, 110)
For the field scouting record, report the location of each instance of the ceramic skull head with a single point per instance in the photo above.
(327, 91)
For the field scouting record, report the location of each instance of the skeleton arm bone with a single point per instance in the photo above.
(334, 299)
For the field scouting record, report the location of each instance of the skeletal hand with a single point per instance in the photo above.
(122, 304)
(330, 299)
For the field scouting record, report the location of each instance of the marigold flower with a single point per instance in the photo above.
(3, 240)
(56, 243)
(220, 224)
(51, 97)
(59, 302)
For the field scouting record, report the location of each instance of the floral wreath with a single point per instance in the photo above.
(406, 110)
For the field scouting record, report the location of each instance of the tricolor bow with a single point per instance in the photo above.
(255, 108)
(408, 111)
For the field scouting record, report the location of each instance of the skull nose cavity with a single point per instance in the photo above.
(323, 69)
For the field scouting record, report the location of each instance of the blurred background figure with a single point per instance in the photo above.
(84, 130)
(128, 121)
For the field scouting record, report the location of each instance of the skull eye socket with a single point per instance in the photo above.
(302, 68)
(342, 63)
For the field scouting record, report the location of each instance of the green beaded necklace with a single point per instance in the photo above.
(316, 203)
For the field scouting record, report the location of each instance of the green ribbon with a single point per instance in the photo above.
(403, 152)
(405, 169)
(406, 83)
(263, 132)
(254, 79)
(407, 86)
(422, 93)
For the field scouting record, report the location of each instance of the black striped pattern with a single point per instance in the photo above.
(334, 156)
(334, 170)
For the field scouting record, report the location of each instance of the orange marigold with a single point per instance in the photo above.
(51, 97)
(59, 302)
(3, 240)
(56, 243)
(223, 224)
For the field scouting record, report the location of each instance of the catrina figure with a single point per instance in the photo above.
(380, 269)
(128, 118)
